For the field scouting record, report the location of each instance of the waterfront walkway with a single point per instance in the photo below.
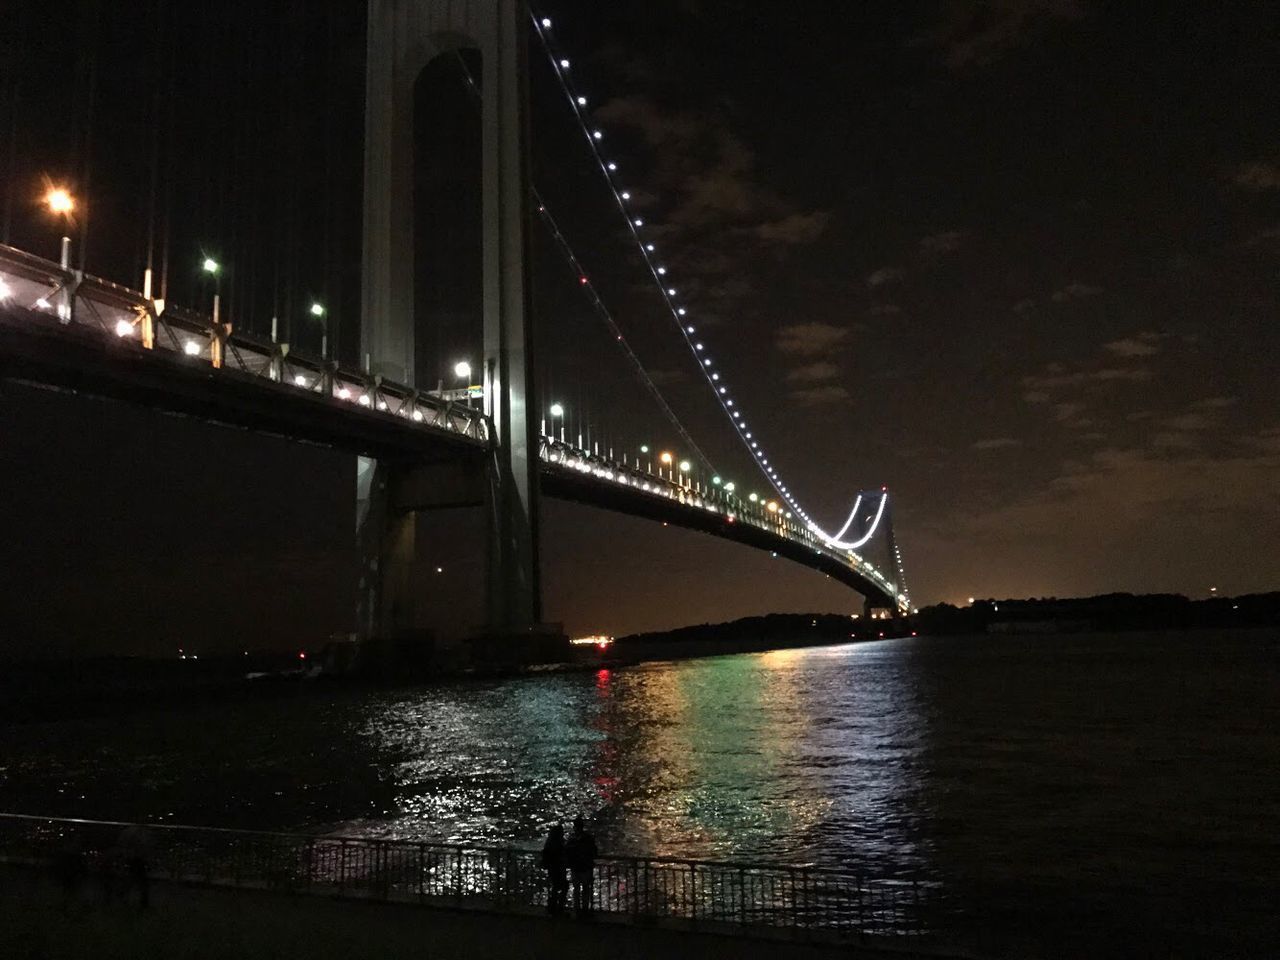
(201, 922)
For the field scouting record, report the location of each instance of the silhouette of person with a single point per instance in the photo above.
(135, 845)
(580, 851)
(555, 862)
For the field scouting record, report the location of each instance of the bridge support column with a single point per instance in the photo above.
(403, 37)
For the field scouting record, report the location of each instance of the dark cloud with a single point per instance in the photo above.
(996, 443)
(829, 395)
(810, 339)
(884, 276)
(1257, 176)
(1075, 291)
(813, 372)
(884, 310)
(948, 241)
(1023, 306)
(796, 229)
(979, 32)
(1143, 345)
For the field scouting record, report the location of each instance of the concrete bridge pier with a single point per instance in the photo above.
(404, 36)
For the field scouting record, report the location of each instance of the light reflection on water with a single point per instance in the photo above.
(1125, 760)
(792, 755)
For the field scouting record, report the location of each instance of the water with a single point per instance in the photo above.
(1125, 762)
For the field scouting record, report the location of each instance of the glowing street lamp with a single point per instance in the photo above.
(211, 266)
(317, 310)
(685, 467)
(462, 370)
(666, 458)
(557, 410)
(60, 201)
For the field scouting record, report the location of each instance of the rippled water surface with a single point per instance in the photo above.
(1131, 759)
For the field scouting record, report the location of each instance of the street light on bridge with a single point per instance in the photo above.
(211, 266)
(685, 467)
(557, 410)
(462, 370)
(59, 201)
(666, 458)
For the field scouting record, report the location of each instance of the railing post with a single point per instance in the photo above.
(457, 874)
(693, 892)
(742, 896)
(422, 871)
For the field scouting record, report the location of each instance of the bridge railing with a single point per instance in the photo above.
(69, 297)
(713, 499)
(736, 895)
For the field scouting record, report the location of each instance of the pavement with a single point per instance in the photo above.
(201, 922)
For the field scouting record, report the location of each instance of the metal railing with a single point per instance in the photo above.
(741, 896)
(70, 297)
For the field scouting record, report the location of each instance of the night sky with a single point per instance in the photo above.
(1017, 260)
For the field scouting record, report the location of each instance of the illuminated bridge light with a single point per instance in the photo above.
(6, 291)
(124, 328)
(191, 348)
(300, 380)
(363, 400)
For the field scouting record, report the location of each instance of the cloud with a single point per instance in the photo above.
(1062, 412)
(1075, 291)
(885, 275)
(813, 372)
(810, 339)
(884, 310)
(1188, 421)
(996, 443)
(979, 32)
(1057, 381)
(1257, 176)
(794, 230)
(820, 396)
(948, 241)
(1143, 345)
(1214, 403)
(1023, 306)
(1130, 496)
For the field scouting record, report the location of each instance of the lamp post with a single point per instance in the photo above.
(317, 311)
(462, 370)
(557, 412)
(60, 203)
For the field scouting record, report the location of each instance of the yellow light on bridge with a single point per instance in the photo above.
(772, 506)
(665, 457)
(59, 201)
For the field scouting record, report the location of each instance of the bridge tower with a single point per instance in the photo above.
(404, 36)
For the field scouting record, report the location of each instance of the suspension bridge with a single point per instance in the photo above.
(499, 439)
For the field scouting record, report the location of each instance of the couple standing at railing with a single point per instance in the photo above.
(562, 858)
